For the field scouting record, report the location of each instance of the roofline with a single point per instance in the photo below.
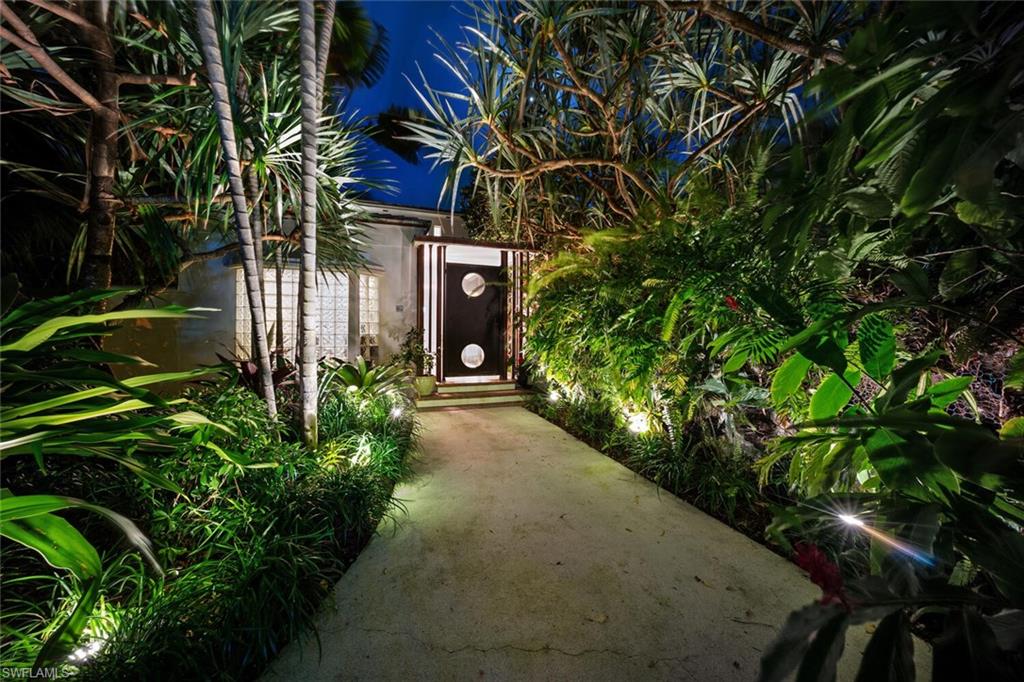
(370, 203)
(481, 243)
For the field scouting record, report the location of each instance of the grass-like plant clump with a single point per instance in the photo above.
(249, 529)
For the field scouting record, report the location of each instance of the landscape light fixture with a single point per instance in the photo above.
(887, 539)
(639, 422)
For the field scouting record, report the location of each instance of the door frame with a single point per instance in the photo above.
(432, 259)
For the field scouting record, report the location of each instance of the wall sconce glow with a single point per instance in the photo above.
(639, 422)
(554, 396)
(87, 651)
(396, 412)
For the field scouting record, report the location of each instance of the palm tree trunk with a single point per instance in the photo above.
(310, 116)
(279, 284)
(323, 47)
(279, 265)
(252, 194)
(218, 85)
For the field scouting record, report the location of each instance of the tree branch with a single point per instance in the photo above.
(156, 79)
(766, 35)
(26, 40)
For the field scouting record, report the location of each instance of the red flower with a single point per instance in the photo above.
(731, 302)
(823, 573)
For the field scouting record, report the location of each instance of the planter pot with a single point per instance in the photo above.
(425, 385)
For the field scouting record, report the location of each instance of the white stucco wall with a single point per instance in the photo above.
(182, 344)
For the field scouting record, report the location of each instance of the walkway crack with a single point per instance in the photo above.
(536, 650)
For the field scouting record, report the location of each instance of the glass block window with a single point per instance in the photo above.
(332, 290)
(369, 316)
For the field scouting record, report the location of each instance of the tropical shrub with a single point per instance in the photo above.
(938, 498)
(695, 463)
(360, 377)
(249, 527)
(846, 304)
(57, 404)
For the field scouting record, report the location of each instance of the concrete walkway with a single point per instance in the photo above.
(527, 555)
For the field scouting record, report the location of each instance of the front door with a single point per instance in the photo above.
(474, 320)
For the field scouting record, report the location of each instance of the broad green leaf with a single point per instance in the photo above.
(819, 664)
(977, 453)
(34, 312)
(131, 382)
(958, 274)
(19, 507)
(1014, 428)
(913, 280)
(968, 650)
(877, 346)
(1015, 372)
(784, 654)
(975, 214)
(824, 351)
(933, 177)
(54, 538)
(72, 417)
(906, 462)
(905, 379)
(735, 362)
(868, 202)
(189, 418)
(789, 377)
(47, 329)
(946, 392)
(833, 394)
(893, 70)
(889, 655)
(235, 458)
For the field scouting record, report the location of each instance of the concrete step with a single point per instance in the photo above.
(475, 387)
(471, 399)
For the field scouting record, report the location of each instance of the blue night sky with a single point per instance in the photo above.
(410, 40)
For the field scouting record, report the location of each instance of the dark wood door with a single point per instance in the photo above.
(474, 320)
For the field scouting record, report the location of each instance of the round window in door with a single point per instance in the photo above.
(473, 284)
(472, 356)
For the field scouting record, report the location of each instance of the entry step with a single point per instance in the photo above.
(475, 386)
(472, 399)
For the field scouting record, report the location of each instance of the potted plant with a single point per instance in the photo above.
(412, 354)
(425, 382)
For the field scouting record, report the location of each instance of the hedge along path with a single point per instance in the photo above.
(525, 554)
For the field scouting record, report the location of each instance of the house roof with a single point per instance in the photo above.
(404, 208)
(482, 243)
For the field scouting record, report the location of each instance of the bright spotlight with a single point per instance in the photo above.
(396, 412)
(851, 520)
(639, 422)
(87, 651)
(554, 396)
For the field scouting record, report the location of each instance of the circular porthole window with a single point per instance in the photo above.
(473, 284)
(472, 356)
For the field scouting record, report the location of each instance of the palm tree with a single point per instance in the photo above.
(207, 31)
(311, 92)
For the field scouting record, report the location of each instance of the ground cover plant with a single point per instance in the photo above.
(791, 233)
(149, 533)
(245, 529)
